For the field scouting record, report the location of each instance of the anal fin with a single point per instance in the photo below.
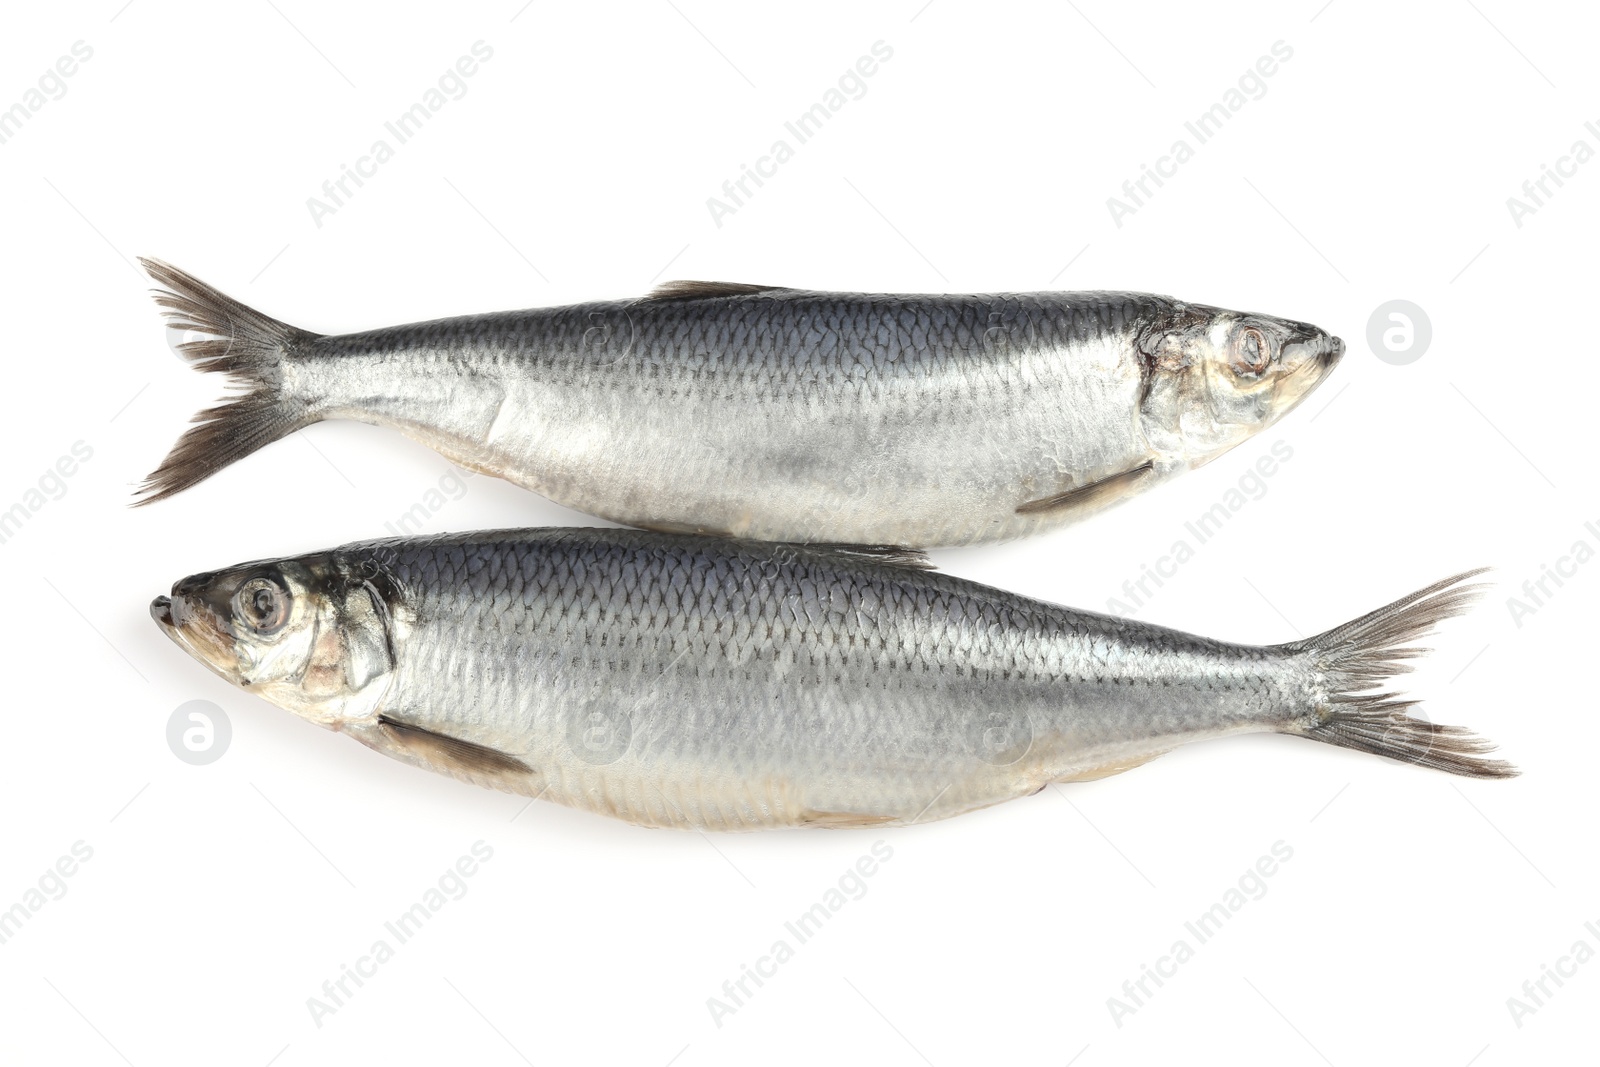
(843, 820)
(1092, 494)
(1106, 770)
(667, 526)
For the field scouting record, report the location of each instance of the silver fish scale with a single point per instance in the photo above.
(700, 682)
(782, 415)
(779, 337)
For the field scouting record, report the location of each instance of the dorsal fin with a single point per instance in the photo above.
(690, 290)
(894, 555)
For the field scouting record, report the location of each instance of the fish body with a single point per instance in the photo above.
(779, 414)
(716, 684)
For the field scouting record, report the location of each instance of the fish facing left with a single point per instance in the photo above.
(717, 684)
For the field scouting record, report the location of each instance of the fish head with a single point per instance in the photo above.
(1213, 378)
(305, 634)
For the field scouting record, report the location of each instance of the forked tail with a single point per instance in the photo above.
(1355, 661)
(247, 346)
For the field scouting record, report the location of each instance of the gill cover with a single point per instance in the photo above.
(312, 635)
(369, 655)
(351, 652)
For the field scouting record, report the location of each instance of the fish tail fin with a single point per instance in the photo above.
(247, 346)
(1354, 662)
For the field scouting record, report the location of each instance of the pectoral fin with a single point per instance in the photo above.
(1094, 494)
(464, 760)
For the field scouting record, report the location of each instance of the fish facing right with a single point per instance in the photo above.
(716, 684)
(772, 413)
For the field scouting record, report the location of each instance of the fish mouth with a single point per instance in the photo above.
(1332, 352)
(1309, 359)
(171, 615)
(1310, 352)
(1309, 345)
(190, 631)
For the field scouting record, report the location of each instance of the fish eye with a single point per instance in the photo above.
(263, 603)
(1252, 352)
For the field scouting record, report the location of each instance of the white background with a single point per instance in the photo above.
(1377, 165)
